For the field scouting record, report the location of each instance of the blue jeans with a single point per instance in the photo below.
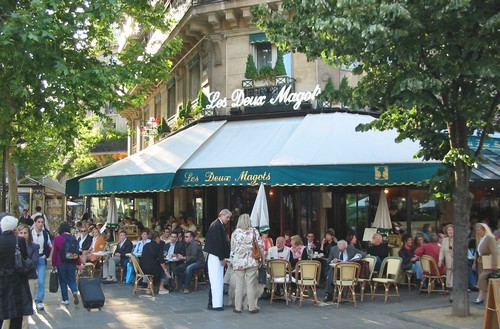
(472, 277)
(415, 267)
(185, 272)
(40, 270)
(66, 273)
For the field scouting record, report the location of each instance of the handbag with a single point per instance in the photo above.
(364, 269)
(494, 275)
(23, 266)
(262, 275)
(130, 276)
(255, 249)
(53, 281)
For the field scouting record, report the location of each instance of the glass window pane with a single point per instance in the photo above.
(263, 54)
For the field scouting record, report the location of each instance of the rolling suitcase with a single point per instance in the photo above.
(91, 293)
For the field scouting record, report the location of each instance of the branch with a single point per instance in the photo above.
(490, 118)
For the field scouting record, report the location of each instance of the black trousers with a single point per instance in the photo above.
(16, 323)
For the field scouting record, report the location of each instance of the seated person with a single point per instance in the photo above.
(165, 237)
(410, 261)
(190, 224)
(311, 244)
(378, 249)
(280, 251)
(98, 244)
(85, 239)
(194, 260)
(153, 263)
(297, 251)
(124, 247)
(268, 242)
(140, 245)
(327, 244)
(431, 249)
(342, 252)
(174, 247)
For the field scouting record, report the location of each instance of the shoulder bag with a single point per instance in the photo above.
(255, 248)
(24, 266)
(53, 280)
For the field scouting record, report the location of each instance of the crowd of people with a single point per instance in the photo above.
(180, 240)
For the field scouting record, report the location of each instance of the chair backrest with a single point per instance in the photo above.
(347, 272)
(429, 265)
(390, 268)
(307, 272)
(372, 261)
(279, 268)
(137, 266)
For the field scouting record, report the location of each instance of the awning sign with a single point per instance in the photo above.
(381, 172)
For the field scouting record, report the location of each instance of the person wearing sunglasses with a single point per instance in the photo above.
(85, 239)
(194, 260)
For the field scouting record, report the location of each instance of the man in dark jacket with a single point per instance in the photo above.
(123, 248)
(193, 261)
(218, 249)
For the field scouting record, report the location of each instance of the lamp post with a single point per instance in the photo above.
(21, 143)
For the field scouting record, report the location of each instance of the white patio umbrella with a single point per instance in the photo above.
(382, 216)
(260, 213)
(112, 211)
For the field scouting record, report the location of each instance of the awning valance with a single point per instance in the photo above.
(152, 169)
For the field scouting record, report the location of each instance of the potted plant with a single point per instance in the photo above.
(267, 74)
(251, 69)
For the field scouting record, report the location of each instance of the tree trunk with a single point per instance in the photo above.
(461, 215)
(12, 178)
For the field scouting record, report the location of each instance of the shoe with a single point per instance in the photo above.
(76, 300)
(254, 311)
(211, 308)
(478, 301)
(39, 307)
(473, 289)
(236, 311)
(163, 292)
(111, 281)
(65, 302)
(328, 297)
(186, 291)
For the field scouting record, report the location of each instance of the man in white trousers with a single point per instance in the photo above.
(218, 249)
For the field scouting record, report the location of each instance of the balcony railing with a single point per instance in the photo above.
(269, 89)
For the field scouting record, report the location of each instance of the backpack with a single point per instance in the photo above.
(70, 249)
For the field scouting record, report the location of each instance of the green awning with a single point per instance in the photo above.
(325, 175)
(152, 169)
(73, 184)
(258, 37)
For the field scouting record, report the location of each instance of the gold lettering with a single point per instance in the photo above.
(245, 176)
(211, 177)
(190, 177)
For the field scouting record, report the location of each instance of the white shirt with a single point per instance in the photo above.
(46, 221)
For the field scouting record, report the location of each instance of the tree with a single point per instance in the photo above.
(58, 63)
(432, 67)
(279, 67)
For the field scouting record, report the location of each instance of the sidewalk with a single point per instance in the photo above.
(178, 310)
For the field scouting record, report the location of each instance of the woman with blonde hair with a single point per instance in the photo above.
(297, 251)
(486, 245)
(244, 265)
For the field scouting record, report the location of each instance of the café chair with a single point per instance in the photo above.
(410, 276)
(307, 277)
(140, 277)
(388, 274)
(279, 271)
(363, 281)
(429, 266)
(346, 278)
(200, 277)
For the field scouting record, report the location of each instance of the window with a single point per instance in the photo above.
(265, 54)
(194, 77)
(145, 116)
(171, 108)
(158, 106)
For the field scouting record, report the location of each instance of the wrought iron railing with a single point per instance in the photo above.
(269, 89)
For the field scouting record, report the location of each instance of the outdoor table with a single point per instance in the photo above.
(171, 262)
(102, 255)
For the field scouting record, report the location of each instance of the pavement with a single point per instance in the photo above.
(176, 310)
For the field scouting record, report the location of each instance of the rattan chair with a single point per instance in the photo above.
(307, 276)
(140, 277)
(429, 266)
(363, 281)
(388, 274)
(279, 271)
(346, 278)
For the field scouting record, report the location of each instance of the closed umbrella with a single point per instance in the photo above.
(382, 216)
(260, 214)
(112, 213)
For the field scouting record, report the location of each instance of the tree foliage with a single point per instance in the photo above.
(58, 63)
(432, 67)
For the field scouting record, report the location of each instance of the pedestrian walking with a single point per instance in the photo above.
(42, 238)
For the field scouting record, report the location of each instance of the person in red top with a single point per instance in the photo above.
(431, 249)
(65, 270)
